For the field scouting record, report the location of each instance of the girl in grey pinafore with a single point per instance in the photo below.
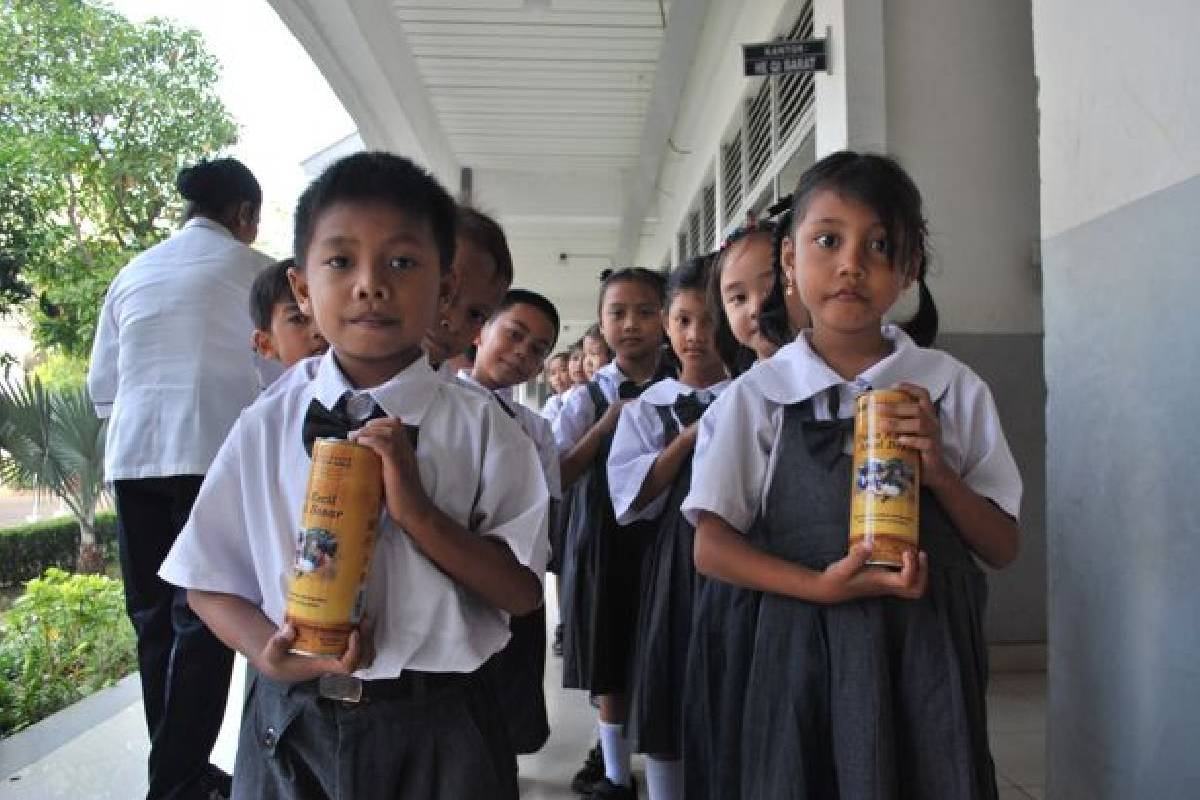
(870, 699)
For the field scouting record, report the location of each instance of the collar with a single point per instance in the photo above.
(406, 396)
(796, 372)
(666, 391)
(505, 393)
(207, 224)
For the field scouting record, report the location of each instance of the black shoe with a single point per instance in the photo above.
(591, 773)
(557, 646)
(607, 790)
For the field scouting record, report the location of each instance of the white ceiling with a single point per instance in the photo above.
(561, 108)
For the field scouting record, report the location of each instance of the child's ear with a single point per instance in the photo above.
(264, 345)
(447, 288)
(299, 284)
(787, 258)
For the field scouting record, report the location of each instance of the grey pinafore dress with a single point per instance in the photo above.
(875, 699)
(664, 619)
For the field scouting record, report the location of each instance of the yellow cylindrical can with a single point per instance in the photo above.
(886, 484)
(333, 547)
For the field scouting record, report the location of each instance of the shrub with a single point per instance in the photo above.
(66, 637)
(26, 551)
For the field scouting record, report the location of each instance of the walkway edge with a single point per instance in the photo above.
(43, 738)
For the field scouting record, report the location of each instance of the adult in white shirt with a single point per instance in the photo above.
(171, 370)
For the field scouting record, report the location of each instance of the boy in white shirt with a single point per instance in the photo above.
(512, 344)
(462, 537)
(282, 332)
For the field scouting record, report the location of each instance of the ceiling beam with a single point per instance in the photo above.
(680, 41)
(361, 49)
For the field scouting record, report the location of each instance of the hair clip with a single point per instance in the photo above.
(782, 204)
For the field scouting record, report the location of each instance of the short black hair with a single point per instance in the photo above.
(213, 188)
(656, 281)
(377, 177)
(270, 288)
(485, 233)
(525, 297)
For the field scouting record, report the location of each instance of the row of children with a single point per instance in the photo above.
(748, 656)
(710, 603)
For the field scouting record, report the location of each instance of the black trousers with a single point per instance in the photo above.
(185, 670)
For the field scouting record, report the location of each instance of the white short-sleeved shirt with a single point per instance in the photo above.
(171, 364)
(536, 428)
(734, 463)
(578, 414)
(474, 464)
(639, 440)
(552, 406)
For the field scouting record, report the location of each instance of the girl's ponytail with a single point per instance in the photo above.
(923, 327)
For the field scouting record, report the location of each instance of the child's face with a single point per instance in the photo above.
(575, 367)
(595, 354)
(512, 346)
(631, 320)
(477, 290)
(691, 329)
(838, 253)
(371, 282)
(556, 373)
(747, 278)
(293, 335)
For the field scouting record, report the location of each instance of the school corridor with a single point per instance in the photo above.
(96, 750)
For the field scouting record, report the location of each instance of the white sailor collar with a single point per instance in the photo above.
(667, 390)
(406, 396)
(796, 372)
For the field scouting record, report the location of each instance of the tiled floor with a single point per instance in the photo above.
(103, 758)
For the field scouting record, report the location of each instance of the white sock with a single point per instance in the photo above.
(664, 779)
(616, 753)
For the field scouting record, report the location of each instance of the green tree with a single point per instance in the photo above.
(53, 441)
(97, 115)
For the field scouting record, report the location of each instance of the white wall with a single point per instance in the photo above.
(1120, 103)
(715, 87)
(1120, 155)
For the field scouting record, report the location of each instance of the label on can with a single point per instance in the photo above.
(885, 493)
(333, 546)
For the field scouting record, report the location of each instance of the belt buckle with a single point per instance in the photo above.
(346, 688)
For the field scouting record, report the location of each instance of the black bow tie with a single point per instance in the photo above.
(826, 438)
(689, 408)
(336, 423)
(628, 390)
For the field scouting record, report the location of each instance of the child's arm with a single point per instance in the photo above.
(481, 563)
(722, 552)
(988, 531)
(244, 627)
(666, 467)
(576, 462)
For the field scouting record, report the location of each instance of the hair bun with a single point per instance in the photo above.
(195, 182)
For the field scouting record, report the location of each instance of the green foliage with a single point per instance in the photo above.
(66, 637)
(26, 551)
(60, 371)
(97, 115)
(53, 441)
